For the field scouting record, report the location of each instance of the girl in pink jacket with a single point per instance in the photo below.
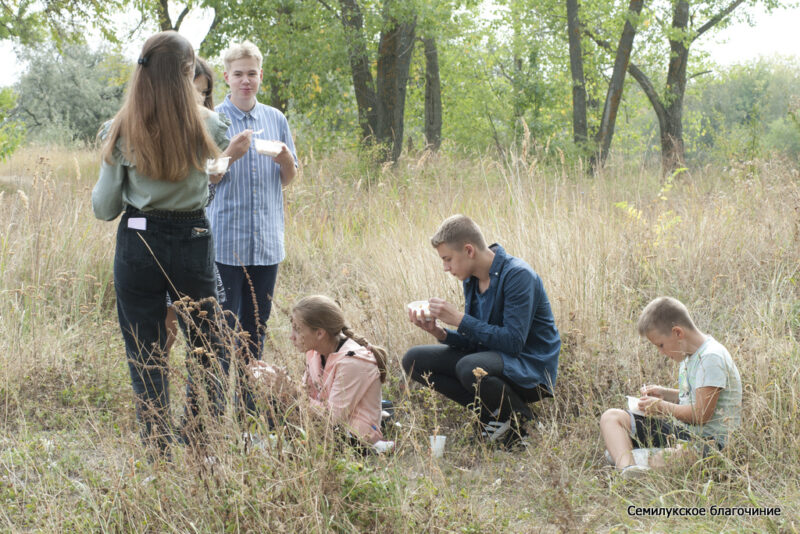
(343, 371)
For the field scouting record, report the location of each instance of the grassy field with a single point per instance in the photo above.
(726, 241)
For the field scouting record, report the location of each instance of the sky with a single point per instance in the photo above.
(773, 34)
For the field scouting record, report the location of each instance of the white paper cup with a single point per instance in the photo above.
(437, 446)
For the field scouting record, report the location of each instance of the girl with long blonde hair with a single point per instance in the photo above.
(153, 171)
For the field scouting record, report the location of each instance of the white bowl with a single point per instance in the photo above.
(420, 307)
(217, 166)
(268, 147)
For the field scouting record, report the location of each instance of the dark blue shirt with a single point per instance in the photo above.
(516, 321)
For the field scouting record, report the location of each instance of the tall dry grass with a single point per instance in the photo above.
(725, 241)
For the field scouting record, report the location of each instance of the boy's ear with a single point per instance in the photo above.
(469, 248)
(679, 332)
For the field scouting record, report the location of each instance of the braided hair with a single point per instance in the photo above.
(319, 311)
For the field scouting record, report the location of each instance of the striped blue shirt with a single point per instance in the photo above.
(246, 215)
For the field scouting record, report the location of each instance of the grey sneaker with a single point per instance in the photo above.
(506, 434)
(495, 430)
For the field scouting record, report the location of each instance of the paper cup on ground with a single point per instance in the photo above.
(420, 307)
(437, 446)
(217, 166)
(267, 147)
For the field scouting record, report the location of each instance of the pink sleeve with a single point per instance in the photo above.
(345, 392)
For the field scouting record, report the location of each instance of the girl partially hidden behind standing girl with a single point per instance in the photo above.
(153, 168)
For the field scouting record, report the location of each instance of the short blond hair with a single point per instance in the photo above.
(458, 230)
(242, 50)
(663, 313)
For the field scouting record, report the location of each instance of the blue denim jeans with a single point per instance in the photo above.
(249, 291)
(173, 254)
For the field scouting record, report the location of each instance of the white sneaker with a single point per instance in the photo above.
(634, 471)
(641, 457)
(383, 446)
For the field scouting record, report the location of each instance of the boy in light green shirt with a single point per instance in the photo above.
(706, 406)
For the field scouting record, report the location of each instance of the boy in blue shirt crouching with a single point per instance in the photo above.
(503, 353)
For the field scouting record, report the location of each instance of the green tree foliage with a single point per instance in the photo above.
(35, 21)
(306, 68)
(665, 57)
(66, 95)
(11, 131)
(745, 111)
(499, 80)
(29, 22)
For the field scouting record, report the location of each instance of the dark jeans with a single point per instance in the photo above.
(450, 372)
(249, 293)
(174, 254)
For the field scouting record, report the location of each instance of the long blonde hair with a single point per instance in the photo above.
(160, 123)
(319, 311)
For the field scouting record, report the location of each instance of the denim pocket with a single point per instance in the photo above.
(131, 248)
(198, 252)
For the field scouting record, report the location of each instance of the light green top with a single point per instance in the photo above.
(120, 185)
(712, 365)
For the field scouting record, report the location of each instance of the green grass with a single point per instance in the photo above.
(724, 241)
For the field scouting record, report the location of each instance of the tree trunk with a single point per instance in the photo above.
(363, 85)
(394, 60)
(579, 127)
(614, 94)
(672, 147)
(433, 95)
(669, 108)
(164, 22)
(277, 95)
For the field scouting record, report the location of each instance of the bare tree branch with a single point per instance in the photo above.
(713, 21)
(696, 74)
(181, 17)
(329, 8)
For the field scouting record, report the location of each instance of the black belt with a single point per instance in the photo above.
(165, 214)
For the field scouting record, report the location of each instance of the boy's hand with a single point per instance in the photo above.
(239, 145)
(428, 325)
(652, 391)
(444, 311)
(284, 157)
(650, 405)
